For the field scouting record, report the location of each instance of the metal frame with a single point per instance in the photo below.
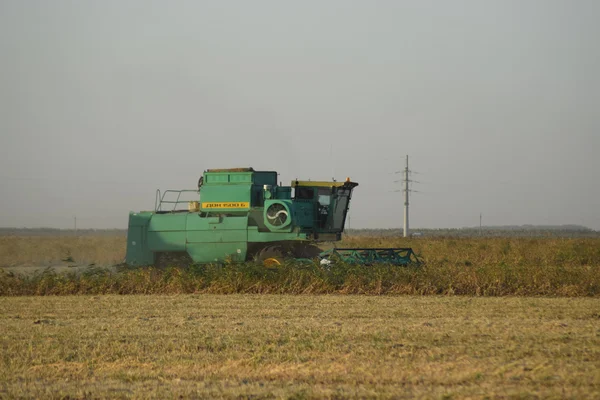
(160, 200)
(366, 256)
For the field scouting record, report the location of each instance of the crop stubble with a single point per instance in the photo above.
(302, 346)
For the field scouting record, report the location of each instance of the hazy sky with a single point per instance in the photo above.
(497, 103)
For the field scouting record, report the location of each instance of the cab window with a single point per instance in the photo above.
(324, 196)
(304, 193)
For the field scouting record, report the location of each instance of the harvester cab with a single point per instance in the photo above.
(321, 207)
(240, 215)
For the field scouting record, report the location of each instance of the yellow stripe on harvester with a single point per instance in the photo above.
(228, 204)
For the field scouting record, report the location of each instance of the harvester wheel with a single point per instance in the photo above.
(271, 256)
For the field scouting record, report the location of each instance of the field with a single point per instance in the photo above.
(475, 266)
(281, 346)
(482, 318)
(27, 253)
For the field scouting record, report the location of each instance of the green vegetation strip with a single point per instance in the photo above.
(429, 279)
(475, 267)
(278, 346)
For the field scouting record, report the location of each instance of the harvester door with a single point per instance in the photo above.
(217, 238)
(305, 207)
(304, 213)
(340, 207)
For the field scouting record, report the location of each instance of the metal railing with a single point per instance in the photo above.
(160, 199)
(370, 256)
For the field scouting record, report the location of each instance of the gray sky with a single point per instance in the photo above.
(496, 102)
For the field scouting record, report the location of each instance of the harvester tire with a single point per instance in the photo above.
(271, 256)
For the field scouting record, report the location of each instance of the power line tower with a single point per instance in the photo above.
(406, 172)
(406, 190)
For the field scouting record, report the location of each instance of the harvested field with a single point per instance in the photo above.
(271, 346)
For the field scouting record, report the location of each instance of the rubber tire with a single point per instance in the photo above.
(270, 252)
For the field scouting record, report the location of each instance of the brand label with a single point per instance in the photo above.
(228, 204)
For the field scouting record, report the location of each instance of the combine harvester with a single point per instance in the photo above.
(243, 215)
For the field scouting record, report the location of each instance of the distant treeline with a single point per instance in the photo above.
(566, 231)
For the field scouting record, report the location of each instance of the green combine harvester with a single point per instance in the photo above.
(243, 215)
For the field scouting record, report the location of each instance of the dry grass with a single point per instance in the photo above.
(488, 251)
(36, 251)
(479, 267)
(102, 250)
(249, 346)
